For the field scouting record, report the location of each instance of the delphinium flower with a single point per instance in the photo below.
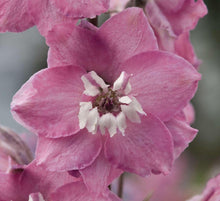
(211, 192)
(105, 97)
(19, 15)
(172, 20)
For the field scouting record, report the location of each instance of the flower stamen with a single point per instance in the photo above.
(109, 106)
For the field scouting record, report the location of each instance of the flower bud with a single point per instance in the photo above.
(13, 150)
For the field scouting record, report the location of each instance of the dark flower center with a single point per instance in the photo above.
(107, 102)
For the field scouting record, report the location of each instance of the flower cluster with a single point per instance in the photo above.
(113, 99)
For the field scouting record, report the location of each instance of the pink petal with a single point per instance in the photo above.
(172, 18)
(38, 179)
(14, 16)
(103, 172)
(68, 153)
(77, 192)
(211, 192)
(182, 134)
(163, 83)
(79, 46)
(48, 103)
(9, 188)
(184, 48)
(45, 15)
(161, 26)
(180, 15)
(128, 33)
(189, 113)
(19, 184)
(145, 148)
(79, 9)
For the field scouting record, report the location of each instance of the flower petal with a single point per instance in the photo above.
(181, 15)
(78, 46)
(48, 103)
(68, 153)
(103, 172)
(182, 134)
(14, 16)
(45, 15)
(144, 149)
(189, 113)
(162, 83)
(127, 34)
(184, 48)
(9, 188)
(77, 191)
(79, 9)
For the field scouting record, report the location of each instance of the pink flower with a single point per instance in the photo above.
(172, 20)
(155, 187)
(211, 192)
(19, 182)
(19, 15)
(34, 183)
(111, 94)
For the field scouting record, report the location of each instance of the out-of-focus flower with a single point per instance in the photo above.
(172, 20)
(155, 187)
(19, 15)
(211, 192)
(13, 150)
(116, 100)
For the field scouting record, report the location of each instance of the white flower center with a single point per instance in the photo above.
(109, 106)
(36, 197)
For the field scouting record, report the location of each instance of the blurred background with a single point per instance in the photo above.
(22, 54)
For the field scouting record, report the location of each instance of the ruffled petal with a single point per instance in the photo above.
(20, 183)
(14, 16)
(38, 179)
(179, 15)
(103, 171)
(48, 103)
(79, 9)
(162, 83)
(45, 15)
(68, 153)
(184, 48)
(145, 148)
(182, 134)
(77, 191)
